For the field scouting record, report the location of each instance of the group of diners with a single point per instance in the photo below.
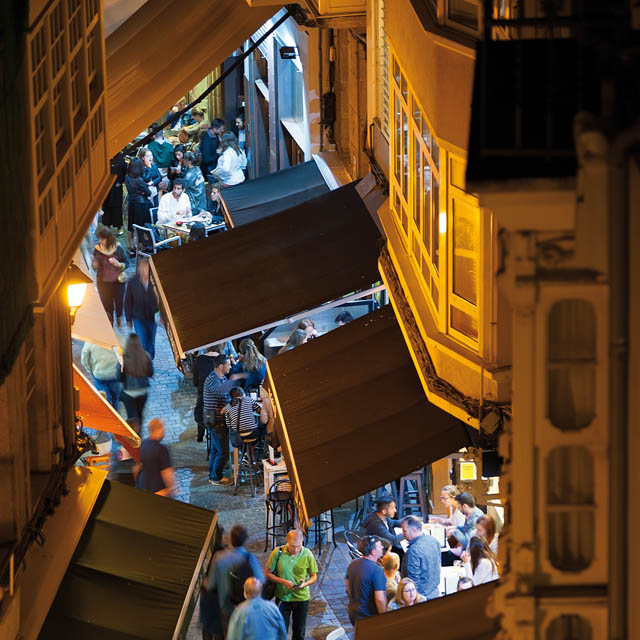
(389, 577)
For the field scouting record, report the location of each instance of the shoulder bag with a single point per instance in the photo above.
(269, 588)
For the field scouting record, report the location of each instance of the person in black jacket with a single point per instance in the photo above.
(112, 207)
(381, 523)
(204, 364)
(140, 306)
(139, 204)
(209, 145)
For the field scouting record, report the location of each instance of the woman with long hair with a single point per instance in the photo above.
(406, 595)
(178, 167)
(136, 371)
(298, 337)
(252, 362)
(150, 174)
(109, 262)
(308, 325)
(139, 204)
(231, 163)
(480, 562)
(194, 183)
(486, 528)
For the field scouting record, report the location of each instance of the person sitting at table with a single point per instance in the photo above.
(421, 560)
(344, 317)
(231, 163)
(480, 562)
(297, 338)
(381, 523)
(251, 362)
(194, 183)
(467, 530)
(406, 596)
(486, 528)
(391, 565)
(174, 205)
(307, 324)
(197, 232)
(455, 518)
(239, 414)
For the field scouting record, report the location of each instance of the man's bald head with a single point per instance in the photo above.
(294, 542)
(252, 588)
(156, 428)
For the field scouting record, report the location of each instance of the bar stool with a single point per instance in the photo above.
(247, 464)
(280, 511)
(412, 496)
(320, 524)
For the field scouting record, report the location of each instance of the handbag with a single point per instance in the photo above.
(269, 588)
(122, 277)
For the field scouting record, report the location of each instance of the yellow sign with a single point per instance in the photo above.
(467, 471)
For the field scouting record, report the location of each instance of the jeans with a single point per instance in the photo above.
(111, 388)
(147, 333)
(112, 296)
(219, 451)
(298, 612)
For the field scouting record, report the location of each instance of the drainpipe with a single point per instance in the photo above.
(320, 34)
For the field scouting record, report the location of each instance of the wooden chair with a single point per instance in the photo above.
(102, 461)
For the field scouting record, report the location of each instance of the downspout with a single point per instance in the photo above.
(320, 34)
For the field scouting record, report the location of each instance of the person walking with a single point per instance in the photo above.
(155, 473)
(229, 570)
(365, 581)
(140, 307)
(136, 371)
(256, 618)
(109, 262)
(103, 365)
(293, 568)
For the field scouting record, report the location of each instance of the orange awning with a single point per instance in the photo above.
(163, 50)
(98, 414)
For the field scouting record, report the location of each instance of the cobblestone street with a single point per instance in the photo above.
(172, 398)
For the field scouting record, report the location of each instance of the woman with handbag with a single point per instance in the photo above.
(136, 371)
(109, 262)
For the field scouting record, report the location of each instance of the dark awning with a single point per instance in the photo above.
(273, 193)
(352, 414)
(460, 616)
(252, 277)
(137, 570)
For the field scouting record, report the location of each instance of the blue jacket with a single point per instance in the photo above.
(140, 303)
(256, 619)
(422, 561)
(466, 531)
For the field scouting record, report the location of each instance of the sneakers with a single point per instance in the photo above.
(223, 482)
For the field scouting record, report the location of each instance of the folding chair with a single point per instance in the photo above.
(144, 238)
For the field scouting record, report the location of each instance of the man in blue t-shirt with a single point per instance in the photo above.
(155, 473)
(365, 581)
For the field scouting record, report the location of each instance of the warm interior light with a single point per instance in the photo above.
(75, 294)
(442, 222)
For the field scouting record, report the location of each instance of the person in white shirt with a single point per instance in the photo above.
(174, 205)
(480, 562)
(231, 163)
(448, 498)
(486, 528)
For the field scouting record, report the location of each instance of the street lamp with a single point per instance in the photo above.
(77, 282)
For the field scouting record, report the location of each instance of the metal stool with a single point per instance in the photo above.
(280, 512)
(412, 496)
(246, 464)
(321, 524)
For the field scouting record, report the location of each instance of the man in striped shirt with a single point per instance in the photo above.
(215, 397)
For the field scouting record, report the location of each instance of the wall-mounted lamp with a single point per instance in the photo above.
(288, 53)
(77, 282)
(442, 222)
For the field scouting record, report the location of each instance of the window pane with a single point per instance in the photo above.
(435, 294)
(416, 112)
(572, 331)
(435, 153)
(404, 89)
(464, 13)
(570, 536)
(571, 395)
(426, 133)
(570, 476)
(571, 627)
(426, 204)
(398, 140)
(464, 323)
(435, 231)
(405, 154)
(417, 184)
(396, 72)
(466, 232)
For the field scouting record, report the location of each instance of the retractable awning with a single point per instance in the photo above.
(275, 192)
(252, 277)
(98, 414)
(352, 415)
(174, 45)
(459, 616)
(137, 569)
(91, 323)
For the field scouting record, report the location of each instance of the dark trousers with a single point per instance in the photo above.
(297, 611)
(134, 406)
(219, 451)
(147, 333)
(112, 297)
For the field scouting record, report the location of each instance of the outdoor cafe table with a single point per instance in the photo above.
(187, 223)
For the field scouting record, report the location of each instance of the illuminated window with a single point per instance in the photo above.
(570, 508)
(571, 357)
(569, 627)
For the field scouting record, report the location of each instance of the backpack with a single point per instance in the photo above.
(237, 577)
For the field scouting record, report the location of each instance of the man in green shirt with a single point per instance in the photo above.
(293, 567)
